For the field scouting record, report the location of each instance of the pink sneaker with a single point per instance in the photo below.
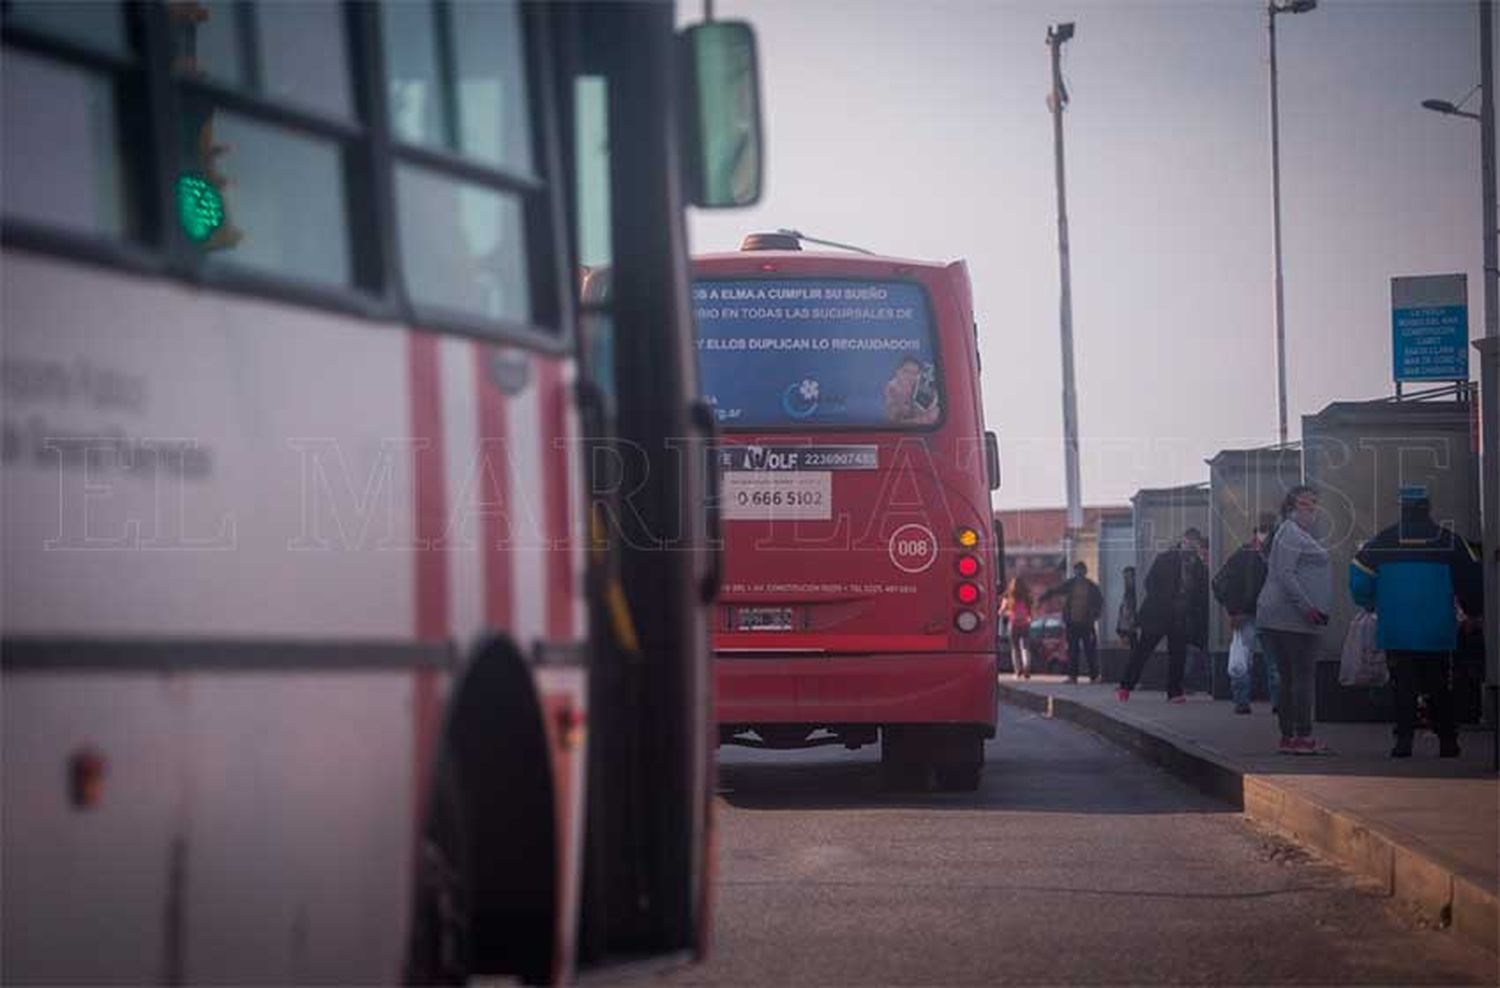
(1312, 746)
(1289, 746)
(1179, 698)
(1122, 694)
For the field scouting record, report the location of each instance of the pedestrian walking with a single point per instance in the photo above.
(1127, 624)
(1083, 603)
(1176, 608)
(1291, 613)
(1016, 607)
(1410, 575)
(1237, 588)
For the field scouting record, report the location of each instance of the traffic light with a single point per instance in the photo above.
(199, 188)
(201, 209)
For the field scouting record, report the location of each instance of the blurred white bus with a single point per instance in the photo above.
(325, 655)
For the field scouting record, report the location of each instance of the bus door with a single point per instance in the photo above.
(652, 571)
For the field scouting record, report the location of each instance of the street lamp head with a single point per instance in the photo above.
(1440, 105)
(1058, 33)
(1292, 6)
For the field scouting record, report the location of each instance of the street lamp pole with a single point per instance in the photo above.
(1489, 353)
(1057, 35)
(1277, 300)
(1489, 364)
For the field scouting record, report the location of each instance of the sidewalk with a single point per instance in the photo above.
(1427, 828)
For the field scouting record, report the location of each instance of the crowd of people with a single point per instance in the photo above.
(1420, 581)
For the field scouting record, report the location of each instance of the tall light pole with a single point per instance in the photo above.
(1489, 350)
(1057, 36)
(1277, 301)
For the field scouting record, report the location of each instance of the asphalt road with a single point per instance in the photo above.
(1074, 864)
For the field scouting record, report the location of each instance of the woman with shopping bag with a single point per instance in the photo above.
(1237, 588)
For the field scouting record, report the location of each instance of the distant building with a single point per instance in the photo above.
(1034, 547)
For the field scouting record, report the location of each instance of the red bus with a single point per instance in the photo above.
(311, 658)
(859, 583)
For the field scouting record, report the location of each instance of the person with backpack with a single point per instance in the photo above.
(1410, 575)
(1237, 587)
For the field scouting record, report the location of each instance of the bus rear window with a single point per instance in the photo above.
(811, 353)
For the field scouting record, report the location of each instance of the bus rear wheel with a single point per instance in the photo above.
(959, 777)
(958, 758)
(912, 755)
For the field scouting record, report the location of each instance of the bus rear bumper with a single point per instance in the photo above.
(923, 688)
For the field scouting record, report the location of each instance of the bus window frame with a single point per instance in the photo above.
(884, 428)
(369, 155)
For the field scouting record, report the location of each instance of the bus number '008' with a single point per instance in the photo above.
(778, 499)
(912, 548)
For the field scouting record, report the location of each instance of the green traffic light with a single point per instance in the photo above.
(200, 207)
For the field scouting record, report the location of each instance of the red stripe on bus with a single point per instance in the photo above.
(430, 557)
(556, 495)
(772, 641)
(494, 494)
(431, 507)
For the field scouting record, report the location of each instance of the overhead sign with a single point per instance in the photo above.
(759, 457)
(1430, 328)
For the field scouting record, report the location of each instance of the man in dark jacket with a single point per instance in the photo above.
(1237, 588)
(1410, 574)
(1176, 608)
(1083, 602)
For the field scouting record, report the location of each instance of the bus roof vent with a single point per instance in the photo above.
(780, 240)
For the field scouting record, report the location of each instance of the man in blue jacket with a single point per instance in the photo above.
(1409, 575)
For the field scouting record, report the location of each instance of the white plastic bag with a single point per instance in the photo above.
(1239, 653)
(1362, 663)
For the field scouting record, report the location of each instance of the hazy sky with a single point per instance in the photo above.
(920, 129)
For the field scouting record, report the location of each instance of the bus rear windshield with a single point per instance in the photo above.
(810, 353)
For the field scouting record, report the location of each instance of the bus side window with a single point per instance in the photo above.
(263, 190)
(62, 156)
(293, 53)
(456, 82)
(594, 230)
(463, 246)
(95, 24)
(283, 205)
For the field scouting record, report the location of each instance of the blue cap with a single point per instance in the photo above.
(1412, 493)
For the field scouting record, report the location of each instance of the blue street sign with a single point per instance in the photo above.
(1430, 328)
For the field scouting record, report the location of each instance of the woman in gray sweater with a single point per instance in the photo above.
(1291, 613)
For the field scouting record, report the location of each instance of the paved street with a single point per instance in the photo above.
(1075, 863)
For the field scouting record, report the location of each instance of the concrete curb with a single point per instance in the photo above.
(1406, 871)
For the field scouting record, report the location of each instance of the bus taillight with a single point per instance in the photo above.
(968, 593)
(968, 566)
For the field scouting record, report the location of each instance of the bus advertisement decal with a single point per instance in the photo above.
(770, 458)
(753, 495)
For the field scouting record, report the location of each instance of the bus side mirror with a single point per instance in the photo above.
(992, 459)
(721, 114)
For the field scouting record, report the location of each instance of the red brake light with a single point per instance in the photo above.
(968, 593)
(968, 566)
